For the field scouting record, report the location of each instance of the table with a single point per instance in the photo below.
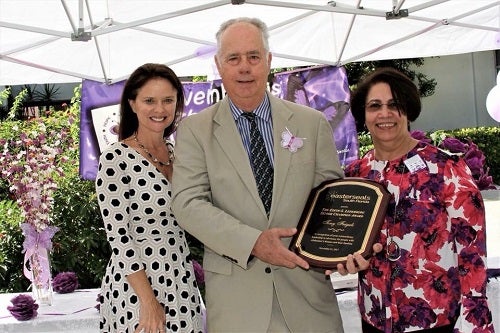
(491, 200)
(74, 312)
(65, 314)
(352, 320)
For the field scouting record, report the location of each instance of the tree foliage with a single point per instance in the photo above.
(357, 70)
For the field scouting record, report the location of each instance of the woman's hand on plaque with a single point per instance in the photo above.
(355, 262)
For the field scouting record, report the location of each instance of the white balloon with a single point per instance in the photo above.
(493, 103)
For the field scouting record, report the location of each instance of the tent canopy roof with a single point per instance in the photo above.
(55, 41)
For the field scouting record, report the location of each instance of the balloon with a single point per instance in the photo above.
(498, 78)
(493, 103)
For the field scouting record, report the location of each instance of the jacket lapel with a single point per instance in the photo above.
(282, 119)
(227, 135)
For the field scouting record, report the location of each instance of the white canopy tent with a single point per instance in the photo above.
(57, 41)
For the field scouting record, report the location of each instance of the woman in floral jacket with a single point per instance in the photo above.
(431, 276)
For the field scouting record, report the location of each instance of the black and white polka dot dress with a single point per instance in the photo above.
(134, 198)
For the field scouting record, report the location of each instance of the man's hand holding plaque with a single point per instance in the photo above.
(341, 217)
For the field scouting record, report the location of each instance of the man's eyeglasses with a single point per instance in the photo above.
(253, 58)
(375, 106)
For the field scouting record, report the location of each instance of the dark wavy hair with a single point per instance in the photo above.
(128, 119)
(403, 90)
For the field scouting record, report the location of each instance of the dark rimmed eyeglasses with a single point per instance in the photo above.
(375, 106)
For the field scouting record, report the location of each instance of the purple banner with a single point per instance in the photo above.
(100, 114)
(96, 95)
(199, 95)
(325, 89)
(322, 88)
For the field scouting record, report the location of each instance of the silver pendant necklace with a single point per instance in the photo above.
(392, 250)
(170, 148)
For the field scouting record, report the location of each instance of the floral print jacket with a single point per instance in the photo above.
(436, 217)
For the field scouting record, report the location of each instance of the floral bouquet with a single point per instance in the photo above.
(30, 166)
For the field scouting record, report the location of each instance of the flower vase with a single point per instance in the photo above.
(41, 280)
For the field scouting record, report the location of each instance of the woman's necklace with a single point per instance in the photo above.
(170, 148)
(392, 250)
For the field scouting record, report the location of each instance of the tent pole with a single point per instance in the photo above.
(397, 6)
(344, 43)
(96, 42)
(68, 14)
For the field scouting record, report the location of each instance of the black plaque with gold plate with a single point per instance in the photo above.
(341, 217)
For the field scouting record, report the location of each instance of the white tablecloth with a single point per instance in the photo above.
(74, 312)
(65, 314)
(492, 207)
(352, 320)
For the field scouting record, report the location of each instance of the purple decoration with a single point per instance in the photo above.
(37, 245)
(23, 307)
(325, 89)
(65, 282)
(206, 51)
(485, 181)
(454, 145)
(198, 95)
(198, 272)
(420, 136)
(34, 238)
(94, 95)
(98, 300)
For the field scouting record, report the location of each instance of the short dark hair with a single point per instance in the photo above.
(403, 90)
(128, 119)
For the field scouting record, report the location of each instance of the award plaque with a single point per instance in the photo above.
(341, 217)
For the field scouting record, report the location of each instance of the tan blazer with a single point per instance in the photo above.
(215, 199)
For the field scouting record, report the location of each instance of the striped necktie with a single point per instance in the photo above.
(261, 165)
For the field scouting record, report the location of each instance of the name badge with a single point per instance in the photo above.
(415, 163)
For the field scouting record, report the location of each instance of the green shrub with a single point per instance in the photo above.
(365, 143)
(80, 245)
(11, 241)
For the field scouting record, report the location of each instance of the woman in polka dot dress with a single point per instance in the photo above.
(149, 285)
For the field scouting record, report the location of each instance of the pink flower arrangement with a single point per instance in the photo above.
(30, 165)
(469, 151)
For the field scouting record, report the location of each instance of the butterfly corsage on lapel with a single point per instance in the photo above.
(290, 141)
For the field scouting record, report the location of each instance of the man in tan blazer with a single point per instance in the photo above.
(253, 282)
